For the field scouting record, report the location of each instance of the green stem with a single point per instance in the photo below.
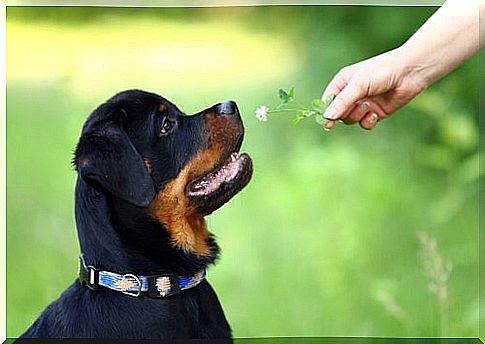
(285, 110)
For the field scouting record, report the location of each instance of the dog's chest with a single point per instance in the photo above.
(106, 314)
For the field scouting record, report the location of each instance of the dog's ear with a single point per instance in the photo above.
(105, 156)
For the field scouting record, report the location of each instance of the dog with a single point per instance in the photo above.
(148, 174)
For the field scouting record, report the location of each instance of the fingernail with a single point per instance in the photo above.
(328, 126)
(331, 113)
(373, 117)
(364, 106)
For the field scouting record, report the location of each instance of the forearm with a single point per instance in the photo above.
(447, 39)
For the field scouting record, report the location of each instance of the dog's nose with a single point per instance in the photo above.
(227, 108)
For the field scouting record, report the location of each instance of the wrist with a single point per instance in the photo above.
(415, 69)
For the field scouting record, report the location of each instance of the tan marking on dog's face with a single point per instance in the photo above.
(171, 207)
(162, 107)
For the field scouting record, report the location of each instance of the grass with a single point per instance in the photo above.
(323, 241)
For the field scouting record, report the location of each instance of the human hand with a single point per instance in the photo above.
(373, 89)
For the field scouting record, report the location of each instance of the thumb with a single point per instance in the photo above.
(345, 101)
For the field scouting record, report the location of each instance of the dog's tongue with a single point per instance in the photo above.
(212, 181)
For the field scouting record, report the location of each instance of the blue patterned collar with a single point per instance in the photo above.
(156, 286)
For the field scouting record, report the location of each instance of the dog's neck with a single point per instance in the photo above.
(117, 236)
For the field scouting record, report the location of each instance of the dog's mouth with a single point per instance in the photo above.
(231, 169)
(213, 189)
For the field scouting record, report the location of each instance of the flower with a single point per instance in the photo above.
(261, 113)
(290, 105)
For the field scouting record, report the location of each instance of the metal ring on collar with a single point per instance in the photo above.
(138, 292)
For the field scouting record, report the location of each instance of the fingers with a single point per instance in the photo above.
(359, 111)
(350, 104)
(362, 108)
(345, 101)
(329, 125)
(365, 112)
(337, 84)
(369, 121)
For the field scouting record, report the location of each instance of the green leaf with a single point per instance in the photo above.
(320, 119)
(286, 97)
(283, 95)
(329, 99)
(318, 105)
(301, 112)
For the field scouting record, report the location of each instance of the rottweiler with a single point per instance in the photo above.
(148, 174)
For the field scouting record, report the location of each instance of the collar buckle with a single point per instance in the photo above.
(88, 275)
(93, 278)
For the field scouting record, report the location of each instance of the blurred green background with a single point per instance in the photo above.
(347, 233)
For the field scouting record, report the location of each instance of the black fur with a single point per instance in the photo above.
(116, 233)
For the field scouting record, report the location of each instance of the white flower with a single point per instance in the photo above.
(261, 113)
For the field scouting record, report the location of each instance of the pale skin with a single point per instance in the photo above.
(373, 89)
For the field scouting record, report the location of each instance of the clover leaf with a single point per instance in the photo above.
(289, 104)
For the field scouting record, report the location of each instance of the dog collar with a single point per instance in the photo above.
(155, 286)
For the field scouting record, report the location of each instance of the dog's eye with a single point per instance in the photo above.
(167, 126)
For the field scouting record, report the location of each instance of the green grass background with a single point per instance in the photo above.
(324, 240)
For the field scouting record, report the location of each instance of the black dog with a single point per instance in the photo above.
(148, 174)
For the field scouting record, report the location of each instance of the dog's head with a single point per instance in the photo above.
(140, 148)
